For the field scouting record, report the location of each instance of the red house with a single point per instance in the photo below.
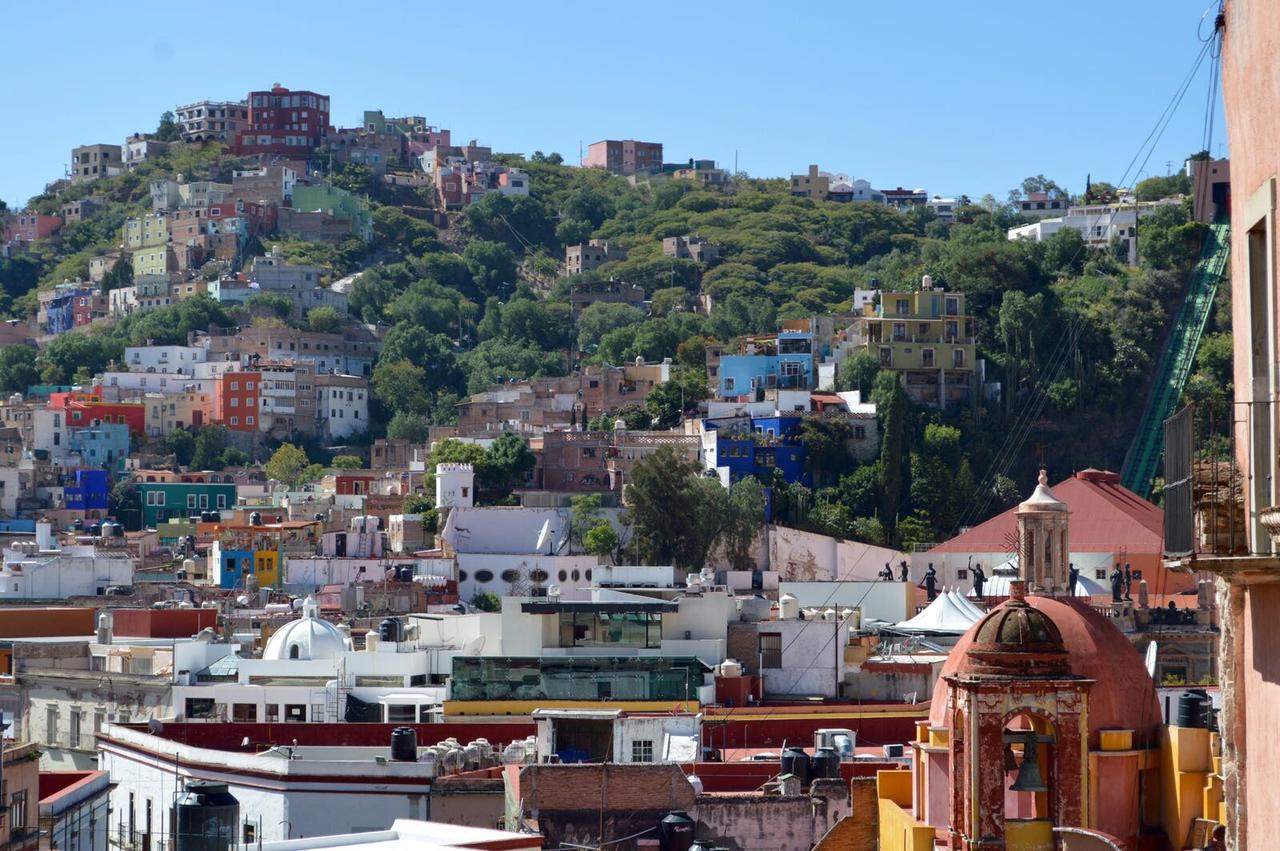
(235, 400)
(284, 123)
(87, 409)
(348, 484)
(28, 227)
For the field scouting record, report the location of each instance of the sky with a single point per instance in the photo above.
(957, 98)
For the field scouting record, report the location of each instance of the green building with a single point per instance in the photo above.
(162, 501)
(338, 203)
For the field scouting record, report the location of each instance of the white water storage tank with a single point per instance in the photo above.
(730, 668)
(788, 607)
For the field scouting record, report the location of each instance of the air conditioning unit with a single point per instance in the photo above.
(893, 752)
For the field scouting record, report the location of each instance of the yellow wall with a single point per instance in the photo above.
(266, 566)
(1186, 763)
(899, 831)
(1028, 835)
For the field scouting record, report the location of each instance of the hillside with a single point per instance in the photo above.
(1069, 334)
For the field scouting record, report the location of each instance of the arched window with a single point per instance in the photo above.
(293, 651)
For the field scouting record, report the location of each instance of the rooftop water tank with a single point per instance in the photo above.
(730, 668)
(404, 744)
(788, 607)
(675, 832)
(796, 763)
(206, 817)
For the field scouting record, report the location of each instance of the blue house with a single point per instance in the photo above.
(61, 311)
(787, 364)
(105, 446)
(233, 567)
(772, 445)
(87, 490)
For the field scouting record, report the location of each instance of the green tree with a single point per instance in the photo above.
(507, 460)
(168, 129)
(324, 319)
(125, 504)
(858, 373)
(602, 317)
(601, 539)
(181, 444)
(18, 369)
(209, 449)
(487, 601)
(584, 514)
(401, 386)
(893, 408)
(347, 462)
(826, 443)
(492, 265)
(667, 402)
(406, 426)
(288, 465)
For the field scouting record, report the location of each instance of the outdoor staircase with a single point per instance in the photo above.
(1142, 462)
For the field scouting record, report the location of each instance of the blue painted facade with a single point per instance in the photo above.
(61, 312)
(87, 490)
(233, 567)
(790, 368)
(105, 446)
(780, 450)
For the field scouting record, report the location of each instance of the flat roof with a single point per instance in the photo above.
(547, 607)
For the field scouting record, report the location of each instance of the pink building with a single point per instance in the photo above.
(626, 156)
(28, 227)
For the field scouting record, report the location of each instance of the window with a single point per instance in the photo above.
(18, 811)
(250, 833)
(728, 385)
(859, 432)
(904, 306)
(51, 724)
(200, 707)
(1100, 573)
(642, 750)
(191, 500)
(295, 712)
(235, 421)
(244, 712)
(962, 574)
(401, 714)
(74, 739)
(770, 650)
(886, 356)
(926, 357)
(957, 358)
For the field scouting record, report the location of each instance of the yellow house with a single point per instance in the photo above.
(266, 565)
(927, 337)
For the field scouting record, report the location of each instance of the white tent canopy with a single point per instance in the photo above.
(964, 603)
(944, 614)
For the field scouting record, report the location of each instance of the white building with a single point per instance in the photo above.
(119, 385)
(164, 359)
(1097, 224)
(943, 208)
(612, 735)
(409, 835)
(310, 673)
(342, 406)
(40, 570)
(283, 791)
(455, 485)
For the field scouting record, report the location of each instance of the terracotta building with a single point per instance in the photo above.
(1045, 721)
(1248, 591)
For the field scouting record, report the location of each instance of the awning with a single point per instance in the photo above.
(551, 607)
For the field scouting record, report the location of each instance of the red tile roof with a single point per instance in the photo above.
(1105, 517)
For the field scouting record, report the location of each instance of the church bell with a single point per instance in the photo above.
(1029, 779)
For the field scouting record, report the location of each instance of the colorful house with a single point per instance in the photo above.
(105, 446)
(89, 409)
(242, 550)
(163, 500)
(772, 444)
(782, 364)
(87, 491)
(338, 203)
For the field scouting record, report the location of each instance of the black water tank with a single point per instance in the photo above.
(391, 629)
(206, 817)
(675, 832)
(796, 763)
(1193, 705)
(404, 744)
(825, 764)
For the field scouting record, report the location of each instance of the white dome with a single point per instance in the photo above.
(308, 637)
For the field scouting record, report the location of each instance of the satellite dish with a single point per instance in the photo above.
(544, 535)
(1151, 659)
(154, 727)
(474, 646)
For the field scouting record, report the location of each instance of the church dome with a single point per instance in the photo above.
(1016, 640)
(1122, 696)
(308, 637)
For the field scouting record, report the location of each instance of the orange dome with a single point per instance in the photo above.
(1123, 695)
(1016, 640)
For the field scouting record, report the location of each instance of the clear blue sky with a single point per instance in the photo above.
(954, 97)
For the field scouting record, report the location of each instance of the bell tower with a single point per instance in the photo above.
(1043, 551)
